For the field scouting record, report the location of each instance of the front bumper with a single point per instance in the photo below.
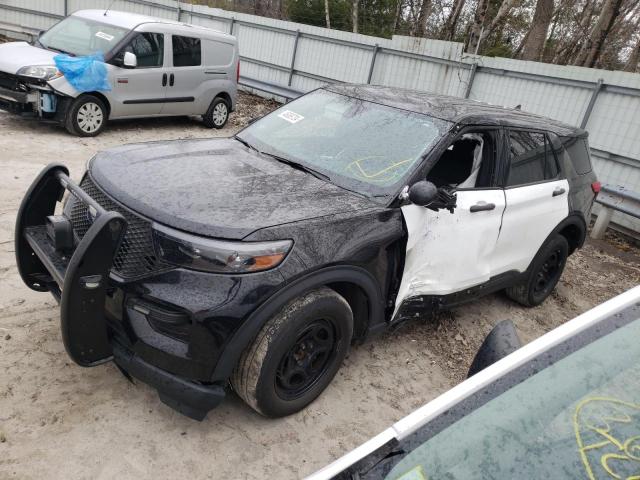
(79, 279)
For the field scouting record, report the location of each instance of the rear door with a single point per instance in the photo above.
(536, 194)
(140, 91)
(185, 77)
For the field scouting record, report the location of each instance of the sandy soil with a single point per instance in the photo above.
(58, 420)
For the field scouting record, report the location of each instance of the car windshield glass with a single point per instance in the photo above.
(80, 36)
(578, 418)
(360, 145)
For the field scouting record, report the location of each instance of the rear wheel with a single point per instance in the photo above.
(544, 274)
(296, 354)
(217, 114)
(86, 116)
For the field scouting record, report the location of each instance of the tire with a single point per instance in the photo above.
(544, 273)
(270, 376)
(86, 116)
(217, 114)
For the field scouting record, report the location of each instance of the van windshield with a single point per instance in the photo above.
(81, 36)
(360, 145)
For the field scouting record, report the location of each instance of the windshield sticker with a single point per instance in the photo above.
(291, 117)
(416, 473)
(105, 36)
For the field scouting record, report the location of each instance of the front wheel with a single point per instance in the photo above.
(296, 354)
(544, 273)
(86, 116)
(217, 114)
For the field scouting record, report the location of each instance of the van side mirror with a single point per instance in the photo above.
(500, 342)
(422, 193)
(130, 60)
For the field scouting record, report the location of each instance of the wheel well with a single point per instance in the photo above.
(226, 97)
(104, 100)
(574, 235)
(359, 303)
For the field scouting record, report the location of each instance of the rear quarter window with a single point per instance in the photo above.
(578, 151)
(186, 51)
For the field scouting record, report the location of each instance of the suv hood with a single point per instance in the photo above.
(15, 55)
(216, 187)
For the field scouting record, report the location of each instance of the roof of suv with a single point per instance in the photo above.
(132, 20)
(454, 109)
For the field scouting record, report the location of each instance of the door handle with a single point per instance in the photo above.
(558, 191)
(482, 206)
(171, 78)
(164, 79)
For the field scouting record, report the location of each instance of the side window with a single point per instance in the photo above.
(467, 163)
(531, 158)
(186, 51)
(148, 48)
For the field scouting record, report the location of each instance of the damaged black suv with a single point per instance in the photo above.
(258, 260)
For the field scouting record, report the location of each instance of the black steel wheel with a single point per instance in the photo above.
(307, 360)
(296, 354)
(543, 274)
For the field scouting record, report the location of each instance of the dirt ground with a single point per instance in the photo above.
(58, 420)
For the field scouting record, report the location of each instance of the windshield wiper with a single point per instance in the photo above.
(246, 144)
(49, 47)
(299, 166)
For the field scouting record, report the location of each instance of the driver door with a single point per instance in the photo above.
(449, 252)
(140, 91)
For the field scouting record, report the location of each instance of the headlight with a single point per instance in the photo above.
(218, 256)
(45, 72)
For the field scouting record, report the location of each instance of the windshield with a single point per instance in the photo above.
(360, 145)
(80, 36)
(578, 418)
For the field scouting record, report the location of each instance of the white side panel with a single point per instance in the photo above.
(532, 213)
(449, 252)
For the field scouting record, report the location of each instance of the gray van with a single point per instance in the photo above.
(154, 68)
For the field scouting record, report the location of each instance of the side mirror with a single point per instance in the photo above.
(500, 342)
(130, 60)
(423, 193)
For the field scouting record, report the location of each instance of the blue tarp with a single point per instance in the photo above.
(85, 74)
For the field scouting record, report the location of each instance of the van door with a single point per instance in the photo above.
(536, 195)
(185, 77)
(449, 252)
(140, 91)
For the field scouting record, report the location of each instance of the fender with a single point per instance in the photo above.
(574, 219)
(343, 273)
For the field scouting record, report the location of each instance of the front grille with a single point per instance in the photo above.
(14, 82)
(135, 257)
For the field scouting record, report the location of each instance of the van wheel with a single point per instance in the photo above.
(544, 274)
(86, 116)
(217, 114)
(296, 354)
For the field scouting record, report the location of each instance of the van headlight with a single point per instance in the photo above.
(219, 256)
(44, 72)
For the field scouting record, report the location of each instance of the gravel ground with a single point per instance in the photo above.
(58, 420)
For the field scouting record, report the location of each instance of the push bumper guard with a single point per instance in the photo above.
(79, 279)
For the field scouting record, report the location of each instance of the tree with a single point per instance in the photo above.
(449, 28)
(536, 36)
(592, 47)
(477, 26)
(634, 58)
(326, 13)
(354, 15)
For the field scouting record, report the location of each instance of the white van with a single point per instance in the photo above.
(154, 68)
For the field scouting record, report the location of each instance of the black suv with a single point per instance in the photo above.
(257, 260)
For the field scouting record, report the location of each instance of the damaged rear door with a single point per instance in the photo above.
(449, 252)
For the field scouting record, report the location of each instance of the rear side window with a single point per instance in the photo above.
(578, 151)
(186, 51)
(531, 158)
